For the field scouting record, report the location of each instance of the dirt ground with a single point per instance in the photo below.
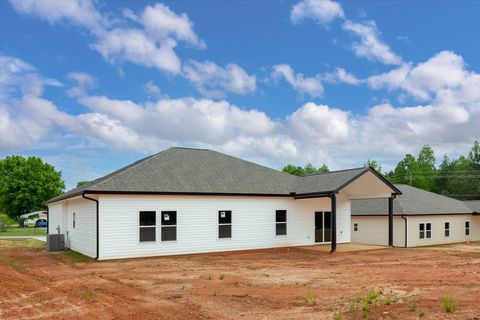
(287, 283)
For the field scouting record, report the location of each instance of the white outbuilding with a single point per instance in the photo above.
(184, 200)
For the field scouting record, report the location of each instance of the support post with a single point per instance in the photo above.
(333, 199)
(390, 220)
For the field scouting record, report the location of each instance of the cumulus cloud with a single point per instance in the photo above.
(214, 80)
(322, 11)
(370, 46)
(84, 82)
(311, 86)
(152, 89)
(341, 75)
(150, 43)
(445, 70)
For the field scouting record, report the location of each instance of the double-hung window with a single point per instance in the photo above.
(425, 230)
(147, 226)
(467, 228)
(281, 222)
(169, 225)
(447, 229)
(224, 224)
(74, 220)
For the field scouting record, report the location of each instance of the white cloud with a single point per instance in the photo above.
(80, 12)
(152, 89)
(444, 71)
(322, 11)
(162, 23)
(311, 86)
(370, 46)
(214, 80)
(84, 83)
(134, 45)
(151, 45)
(341, 75)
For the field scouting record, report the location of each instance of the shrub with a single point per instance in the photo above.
(337, 315)
(310, 298)
(5, 221)
(221, 276)
(421, 314)
(413, 307)
(449, 304)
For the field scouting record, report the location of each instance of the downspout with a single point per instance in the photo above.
(96, 201)
(406, 230)
(333, 222)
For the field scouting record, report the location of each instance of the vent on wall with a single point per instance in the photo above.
(55, 242)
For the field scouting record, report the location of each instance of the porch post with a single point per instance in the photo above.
(334, 223)
(390, 220)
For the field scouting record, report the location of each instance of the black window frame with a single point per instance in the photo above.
(145, 233)
(280, 223)
(446, 228)
(355, 226)
(224, 224)
(426, 231)
(74, 220)
(168, 226)
(467, 228)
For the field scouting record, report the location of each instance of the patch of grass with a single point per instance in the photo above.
(70, 256)
(216, 292)
(6, 244)
(266, 275)
(15, 265)
(43, 299)
(87, 294)
(221, 276)
(387, 301)
(450, 305)
(17, 231)
(300, 283)
(310, 298)
(337, 315)
(210, 277)
(413, 307)
(252, 267)
(421, 314)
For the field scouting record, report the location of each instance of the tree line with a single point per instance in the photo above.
(455, 177)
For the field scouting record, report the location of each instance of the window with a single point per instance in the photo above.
(224, 224)
(73, 221)
(169, 225)
(281, 222)
(147, 226)
(467, 228)
(355, 227)
(447, 229)
(425, 230)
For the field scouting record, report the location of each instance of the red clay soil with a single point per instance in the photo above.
(287, 283)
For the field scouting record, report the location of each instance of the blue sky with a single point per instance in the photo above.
(92, 86)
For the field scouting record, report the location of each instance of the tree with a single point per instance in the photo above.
(474, 155)
(425, 169)
(307, 170)
(82, 183)
(405, 170)
(26, 183)
(374, 165)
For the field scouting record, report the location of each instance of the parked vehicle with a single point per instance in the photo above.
(41, 223)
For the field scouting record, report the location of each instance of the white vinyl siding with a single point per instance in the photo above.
(456, 227)
(197, 223)
(374, 230)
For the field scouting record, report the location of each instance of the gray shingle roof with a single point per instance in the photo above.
(473, 204)
(201, 171)
(412, 201)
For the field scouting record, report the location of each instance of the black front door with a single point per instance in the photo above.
(323, 226)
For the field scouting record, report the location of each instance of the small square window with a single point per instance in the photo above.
(355, 227)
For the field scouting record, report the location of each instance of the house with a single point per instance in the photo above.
(32, 217)
(185, 200)
(420, 218)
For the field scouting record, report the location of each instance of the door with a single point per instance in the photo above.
(323, 227)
